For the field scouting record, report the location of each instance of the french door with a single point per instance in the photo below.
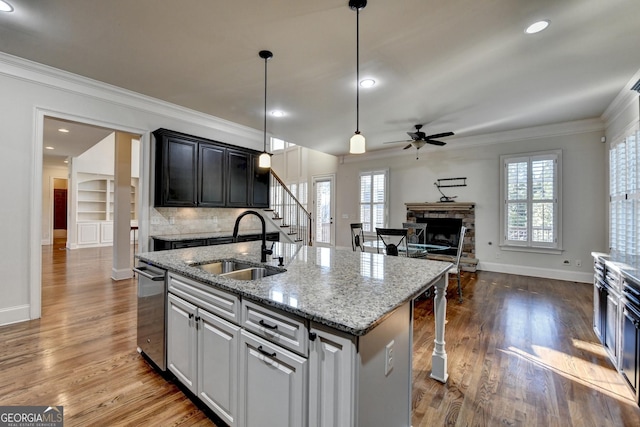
(324, 210)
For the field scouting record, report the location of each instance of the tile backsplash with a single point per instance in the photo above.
(172, 221)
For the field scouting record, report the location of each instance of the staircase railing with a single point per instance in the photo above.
(293, 214)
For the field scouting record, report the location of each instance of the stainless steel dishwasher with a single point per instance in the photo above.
(152, 306)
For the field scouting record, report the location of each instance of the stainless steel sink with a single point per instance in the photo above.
(225, 266)
(252, 273)
(237, 270)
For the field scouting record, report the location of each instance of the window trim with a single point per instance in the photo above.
(385, 172)
(528, 246)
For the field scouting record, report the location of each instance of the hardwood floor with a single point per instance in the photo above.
(521, 352)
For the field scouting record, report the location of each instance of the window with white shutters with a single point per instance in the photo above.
(530, 187)
(373, 200)
(624, 196)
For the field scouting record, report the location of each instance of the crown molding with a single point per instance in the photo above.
(537, 132)
(625, 98)
(44, 75)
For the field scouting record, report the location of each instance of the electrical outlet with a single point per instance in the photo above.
(172, 220)
(497, 255)
(388, 358)
(578, 263)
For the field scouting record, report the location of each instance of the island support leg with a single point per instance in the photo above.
(439, 356)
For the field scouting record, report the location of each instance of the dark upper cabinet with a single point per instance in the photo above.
(176, 166)
(192, 171)
(239, 167)
(212, 171)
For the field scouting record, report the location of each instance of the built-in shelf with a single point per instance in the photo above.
(96, 199)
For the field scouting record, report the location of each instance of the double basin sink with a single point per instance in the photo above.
(237, 270)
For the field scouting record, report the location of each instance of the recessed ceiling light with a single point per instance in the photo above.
(66, 161)
(63, 130)
(48, 147)
(536, 27)
(367, 83)
(5, 7)
(278, 113)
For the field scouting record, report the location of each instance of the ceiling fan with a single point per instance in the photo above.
(419, 139)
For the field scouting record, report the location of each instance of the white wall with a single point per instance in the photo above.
(31, 91)
(411, 180)
(300, 164)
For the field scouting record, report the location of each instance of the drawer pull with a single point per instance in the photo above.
(266, 353)
(266, 325)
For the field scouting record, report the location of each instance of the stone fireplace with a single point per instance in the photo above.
(444, 220)
(443, 231)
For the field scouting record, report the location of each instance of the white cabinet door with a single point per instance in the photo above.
(331, 379)
(182, 341)
(218, 350)
(272, 385)
(88, 233)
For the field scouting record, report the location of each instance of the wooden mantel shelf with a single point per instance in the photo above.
(439, 206)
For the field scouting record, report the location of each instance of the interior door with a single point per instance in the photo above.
(324, 210)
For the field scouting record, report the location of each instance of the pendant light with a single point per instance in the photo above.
(357, 142)
(264, 161)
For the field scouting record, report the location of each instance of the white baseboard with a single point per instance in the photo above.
(16, 314)
(121, 274)
(571, 276)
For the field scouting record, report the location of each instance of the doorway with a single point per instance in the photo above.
(324, 210)
(60, 210)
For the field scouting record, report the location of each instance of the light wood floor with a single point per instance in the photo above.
(521, 353)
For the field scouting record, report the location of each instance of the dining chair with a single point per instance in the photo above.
(392, 239)
(417, 232)
(416, 235)
(357, 236)
(455, 269)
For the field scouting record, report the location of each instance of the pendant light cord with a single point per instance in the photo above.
(357, 70)
(265, 105)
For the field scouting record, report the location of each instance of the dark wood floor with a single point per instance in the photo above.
(521, 353)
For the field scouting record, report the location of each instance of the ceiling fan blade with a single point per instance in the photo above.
(434, 142)
(408, 146)
(440, 135)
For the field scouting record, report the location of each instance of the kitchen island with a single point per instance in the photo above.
(326, 339)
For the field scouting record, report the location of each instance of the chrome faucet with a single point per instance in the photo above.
(263, 250)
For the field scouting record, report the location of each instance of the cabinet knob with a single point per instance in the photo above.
(313, 336)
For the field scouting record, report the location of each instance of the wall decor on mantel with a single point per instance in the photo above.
(455, 213)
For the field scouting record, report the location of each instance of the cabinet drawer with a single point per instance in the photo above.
(216, 301)
(286, 330)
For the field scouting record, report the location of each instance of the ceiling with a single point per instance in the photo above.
(459, 65)
(79, 138)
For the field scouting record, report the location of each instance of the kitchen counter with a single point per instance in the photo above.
(329, 337)
(204, 235)
(345, 290)
(627, 265)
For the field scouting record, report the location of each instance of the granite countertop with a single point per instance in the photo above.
(346, 290)
(628, 265)
(204, 235)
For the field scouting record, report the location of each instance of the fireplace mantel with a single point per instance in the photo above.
(439, 206)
